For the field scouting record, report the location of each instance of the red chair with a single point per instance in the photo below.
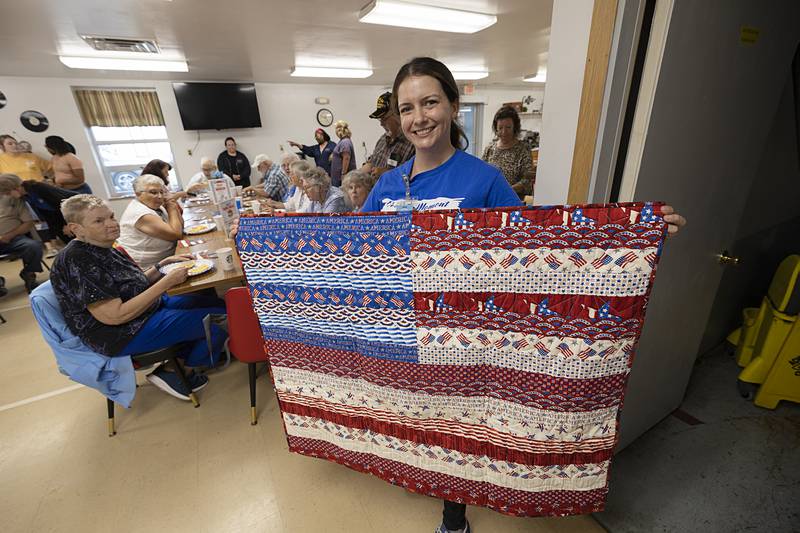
(245, 341)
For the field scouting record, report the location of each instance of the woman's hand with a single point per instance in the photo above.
(674, 220)
(234, 229)
(176, 276)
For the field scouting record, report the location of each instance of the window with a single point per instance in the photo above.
(470, 116)
(126, 130)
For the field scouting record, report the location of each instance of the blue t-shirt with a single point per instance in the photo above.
(461, 182)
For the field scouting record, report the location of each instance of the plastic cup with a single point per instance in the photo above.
(220, 222)
(225, 258)
(239, 190)
(256, 207)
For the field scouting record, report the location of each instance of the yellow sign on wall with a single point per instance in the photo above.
(748, 35)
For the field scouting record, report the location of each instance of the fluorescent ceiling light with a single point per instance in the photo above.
(409, 15)
(112, 63)
(470, 74)
(540, 77)
(331, 72)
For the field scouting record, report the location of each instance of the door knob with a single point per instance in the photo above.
(725, 259)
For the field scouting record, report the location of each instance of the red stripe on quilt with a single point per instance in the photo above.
(565, 305)
(504, 500)
(463, 380)
(448, 441)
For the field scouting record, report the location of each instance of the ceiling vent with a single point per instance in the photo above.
(121, 44)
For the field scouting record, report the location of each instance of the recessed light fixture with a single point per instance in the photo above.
(419, 16)
(470, 74)
(331, 72)
(114, 63)
(539, 77)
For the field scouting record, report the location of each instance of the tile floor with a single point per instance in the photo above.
(175, 468)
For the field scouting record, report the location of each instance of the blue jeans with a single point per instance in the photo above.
(180, 319)
(29, 250)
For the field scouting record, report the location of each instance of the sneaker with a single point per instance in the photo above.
(197, 381)
(168, 382)
(30, 280)
(442, 529)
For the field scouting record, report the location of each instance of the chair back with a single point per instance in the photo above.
(245, 340)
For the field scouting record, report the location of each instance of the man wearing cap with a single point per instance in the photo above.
(392, 149)
(274, 183)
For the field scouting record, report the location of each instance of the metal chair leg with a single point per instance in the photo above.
(111, 429)
(182, 374)
(251, 367)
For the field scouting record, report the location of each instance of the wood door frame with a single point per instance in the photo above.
(601, 33)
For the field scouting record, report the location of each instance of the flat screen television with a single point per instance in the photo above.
(217, 106)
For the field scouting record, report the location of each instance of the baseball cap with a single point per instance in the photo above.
(382, 105)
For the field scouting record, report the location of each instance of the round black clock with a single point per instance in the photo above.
(325, 117)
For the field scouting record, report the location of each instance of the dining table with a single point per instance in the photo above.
(197, 211)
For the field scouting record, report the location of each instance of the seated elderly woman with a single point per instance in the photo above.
(118, 309)
(208, 171)
(356, 186)
(324, 198)
(297, 201)
(151, 224)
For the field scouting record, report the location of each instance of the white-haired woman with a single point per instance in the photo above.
(297, 201)
(356, 186)
(208, 171)
(151, 224)
(343, 158)
(118, 309)
(324, 198)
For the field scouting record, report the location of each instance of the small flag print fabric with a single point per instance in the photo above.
(478, 356)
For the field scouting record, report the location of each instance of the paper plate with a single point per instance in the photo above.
(197, 229)
(199, 266)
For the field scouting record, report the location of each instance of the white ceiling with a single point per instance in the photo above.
(260, 40)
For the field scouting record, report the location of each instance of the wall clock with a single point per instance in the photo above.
(325, 117)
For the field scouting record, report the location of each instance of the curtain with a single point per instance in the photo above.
(121, 108)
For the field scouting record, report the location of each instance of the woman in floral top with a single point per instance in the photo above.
(510, 155)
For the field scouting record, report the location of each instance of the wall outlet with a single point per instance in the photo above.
(189, 151)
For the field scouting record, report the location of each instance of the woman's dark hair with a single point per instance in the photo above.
(156, 168)
(507, 112)
(427, 66)
(58, 145)
(324, 134)
(229, 139)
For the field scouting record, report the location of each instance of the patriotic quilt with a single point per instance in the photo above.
(478, 356)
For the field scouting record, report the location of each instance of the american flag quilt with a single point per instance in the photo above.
(478, 356)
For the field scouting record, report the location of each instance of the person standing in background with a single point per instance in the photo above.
(392, 149)
(26, 166)
(67, 168)
(234, 163)
(509, 154)
(321, 152)
(343, 159)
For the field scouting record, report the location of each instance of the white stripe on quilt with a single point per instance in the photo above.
(544, 260)
(402, 318)
(499, 415)
(332, 280)
(450, 427)
(368, 332)
(514, 342)
(552, 364)
(450, 462)
(327, 263)
(520, 282)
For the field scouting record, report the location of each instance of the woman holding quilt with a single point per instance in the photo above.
(442, 175)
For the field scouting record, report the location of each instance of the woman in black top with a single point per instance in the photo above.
(321, 152)
(234, 163)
